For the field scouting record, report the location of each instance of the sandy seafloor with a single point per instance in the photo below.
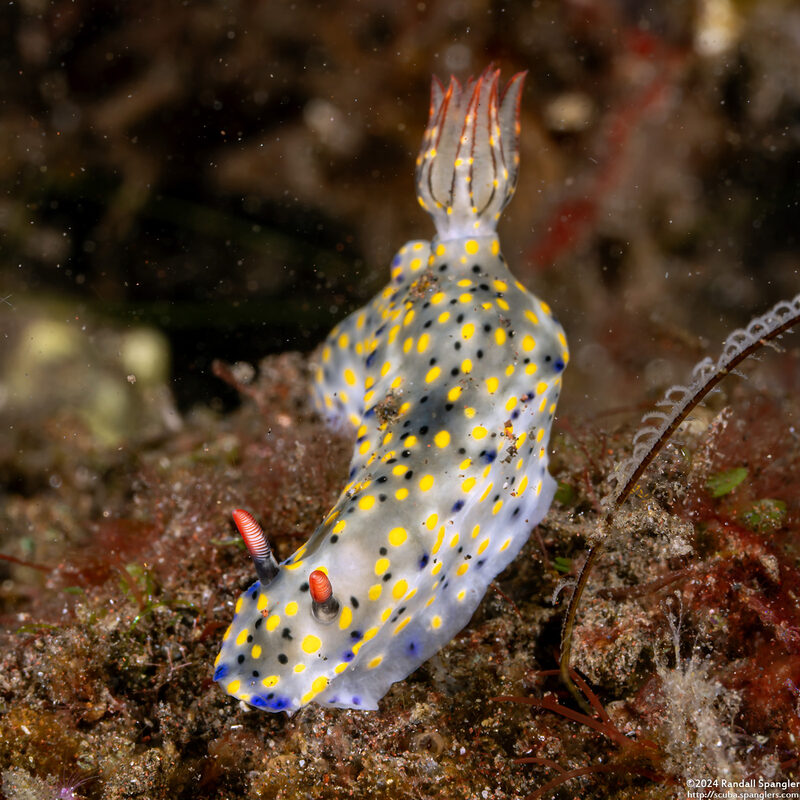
(226, 181)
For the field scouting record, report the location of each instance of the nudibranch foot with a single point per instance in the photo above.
(449, 378)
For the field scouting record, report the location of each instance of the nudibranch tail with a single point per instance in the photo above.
(467, 167)
(257, 545)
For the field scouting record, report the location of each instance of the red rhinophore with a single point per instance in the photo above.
(252, 533)
(320, 586)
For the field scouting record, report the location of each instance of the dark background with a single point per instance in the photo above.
(238, 174)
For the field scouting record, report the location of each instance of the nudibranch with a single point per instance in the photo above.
(450, 378)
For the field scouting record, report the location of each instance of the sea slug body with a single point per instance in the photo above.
(450, 378)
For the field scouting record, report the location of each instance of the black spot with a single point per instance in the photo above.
(387, 577)
(495, 498)
(334, 538)
(476, 269)
(382, 498)
(428, 324)
(455, 371)
(411, 648)
(515, 413)
(515, 512)
(409, 475)
(283, 658)
(432, 362)
(405, 454)
(257, 623)
(286, 633)
(480, 562)
(250, 638)
(240, 659)
(423, 430)
(461, 450)
(457, 345)
(487, 327)
(356, 635)
(453, 301)
(458, 505)
(448, 407)
(548, 358)
(443, 268)
(256, 673)
(460, 318)
(424, 399)
(304, 587)
(254, 595)
(383, 551)
(348, 655)
(426, 304)
(370, 359)
(423, 562)
(484, 286)
(354, 602)
(460, 550)
(489, 457)
(479, 354)
(400, 611)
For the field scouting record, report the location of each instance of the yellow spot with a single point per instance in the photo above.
(350, 377)
(541, 387)
(430, 600)
(465, 281)
(471, 247)
(454, 541)
(387, 365)
(372, 663)
(462, 569)
(400, 588)
(454, 394)
(366, 502)
(381, 565)
(311, 643)
(497, 506)
(501, 286)
(437, 298)
(436, 622)
(408, 318)
(523, 485)
(441, 250)
(326, 355)
(442, 439)
(233, 687)
(415, 264)
(256, 651)
(486, 492)
(343, 341)
(401, 626)
(495, 247)
(492, 384)
(531, 368)
(386, 613)
(467, 330)
(433, 374)
(345, 618)
(410, 441)
(408, 344)
(398, 469)
(364, 447)
(466, 366)
(397, 536)
(316, 687)
(540, 435)
(300, 668)
(430, 523)
(444, 316)
(475, 531)
(439, 539)
(262, 602)
(464, 298)
(500, 336)
(401, 494)
(339, 526)
(370, 634)
(465, 464)
(437, 569)
(512, 401)
(483, 545)
(375, 591)
(545, 307)
(469, 412)
(340, 668)
(423, 342)
(242, 637)
(425, 485)
(528, 343)
(531, 317)
(505, 544)
(270, 681)
(461, 595)
(291, 609)
(479, 432)
(238, 607)
(226, 635)
(273, 622)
